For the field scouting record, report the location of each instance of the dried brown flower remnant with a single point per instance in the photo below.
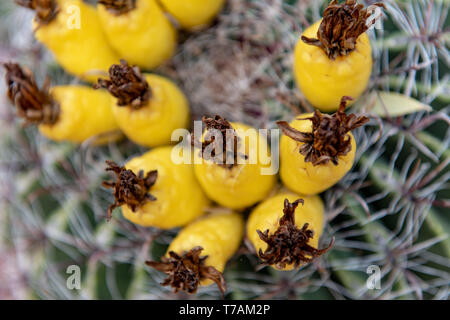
(225, 149)
(33, 104)
(127, 84)
(118, 7)
(288, 244)
(341, 26)
(129, 188)
(186, 271)
(45, 10)
(329, 138)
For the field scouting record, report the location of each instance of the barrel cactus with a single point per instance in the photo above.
(389, 213)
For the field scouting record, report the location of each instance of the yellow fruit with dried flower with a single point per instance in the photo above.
(152, 190)
(285, 230)
(64, 113)
(148, 107)
(339, 61)
(317, 149)
(200, 251)
(236, 174)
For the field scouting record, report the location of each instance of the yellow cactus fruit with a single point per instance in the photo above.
(200, 251)
(154, 191)
(193, 14)
(317, 149)
(233, 174)
(71, 30)
(148, 107)
(339, 61)
(139, 31)
(63, 113)
(284, 234)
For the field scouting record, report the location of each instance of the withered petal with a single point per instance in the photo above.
(186, 271)
(227, 151)
(294, 133)
(129, 189)
(289, 244)
(46, 10)
(35, 105)
(127, 84)
(341, 26)
(119, 7)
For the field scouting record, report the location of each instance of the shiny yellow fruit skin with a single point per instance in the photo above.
(324, 81)
(302, 177)
(83, 51)
(193, 13)
(153, 124)
(179, 196)
(218, 234)
(143, 36)
(268, 213)
(243, 185)
(84, 113)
